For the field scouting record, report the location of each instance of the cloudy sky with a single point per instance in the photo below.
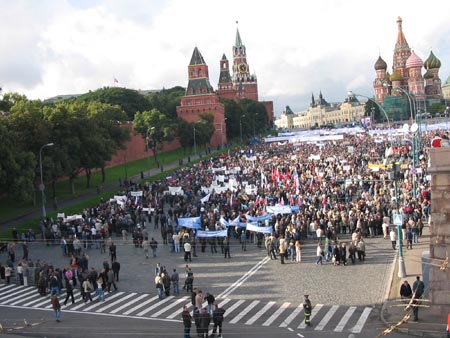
(54, 47)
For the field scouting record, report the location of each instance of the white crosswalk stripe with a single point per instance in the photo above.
(324, 318)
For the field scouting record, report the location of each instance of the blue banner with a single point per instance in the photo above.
(258, 218)
(207, 234)
(255, 228)
(279, 209)
(190, 222)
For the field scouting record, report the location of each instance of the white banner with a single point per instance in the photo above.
(137, 193)
(176, 191)
(60, 215)
(278, 209)
(206, 198)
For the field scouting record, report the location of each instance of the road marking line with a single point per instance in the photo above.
(244, 312)
(246, 276)
(176, 303)
(173, 315)
(326, 318)
(222, 303)
(45, 302)
(116, 302)
(233, 307)
(277, 313)
(345, 319)
(140, 314)
(259, 313)
(6, 286)
(314, 311)
(35, 296)
(361, 321)
(89, 308)
(291, 317)
(13, 298)
(128, 304)
(11, 293)
(140, 305)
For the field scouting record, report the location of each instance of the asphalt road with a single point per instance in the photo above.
(261, 296)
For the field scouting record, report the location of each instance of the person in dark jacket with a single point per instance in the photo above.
(218, 314)
(196, 315)
(205, 320)
(187, 322)
(405, 290)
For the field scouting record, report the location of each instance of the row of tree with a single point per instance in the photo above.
(87, 131)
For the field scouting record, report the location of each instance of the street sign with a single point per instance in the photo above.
(398, 219)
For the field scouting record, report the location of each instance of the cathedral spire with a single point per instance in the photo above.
(401, 40)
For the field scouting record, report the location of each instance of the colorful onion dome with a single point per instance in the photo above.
(396, 76)
(380, 64)
(432, 62)
(428, 75)
(414, 61)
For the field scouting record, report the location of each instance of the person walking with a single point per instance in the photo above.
(187, 251)
(175, 279)
(409, 239)
(115, 266)
(87, 289)
(56, 307)
(307, 309)
(111, 281)
(159, 285)
(418, 289)
(226, 247)
(319, 254)
(298, 252)
(393, 238)
(205, 320)
(218, 314)
(69, 291)
(153, 246)
(113, 251)
(210, 299)
(282, 249)
(187, 322)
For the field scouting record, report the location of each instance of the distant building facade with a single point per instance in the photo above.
(323, 114)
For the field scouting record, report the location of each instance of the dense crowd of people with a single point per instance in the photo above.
(328, 189)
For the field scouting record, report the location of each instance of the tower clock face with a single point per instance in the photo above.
(242, 68)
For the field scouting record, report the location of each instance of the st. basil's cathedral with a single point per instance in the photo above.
(407, 75)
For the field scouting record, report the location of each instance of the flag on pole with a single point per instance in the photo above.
(116, 81)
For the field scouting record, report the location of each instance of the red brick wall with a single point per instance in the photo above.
(135, 149)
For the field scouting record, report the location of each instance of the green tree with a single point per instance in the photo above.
(17, 167)
(9, 100)
(155, 128)
(129, 100)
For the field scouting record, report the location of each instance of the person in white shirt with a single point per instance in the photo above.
(393, 237)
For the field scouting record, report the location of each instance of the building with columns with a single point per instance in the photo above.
(323, 114)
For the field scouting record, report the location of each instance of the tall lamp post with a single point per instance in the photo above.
(240, 125)
(221, 131)
(254, 117)
(398, 222)
(350, 93)
(195, 142)
(41, 186)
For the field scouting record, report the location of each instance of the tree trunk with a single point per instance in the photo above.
(54, 188)
(155, 154)
(103, 175)
(88, 177)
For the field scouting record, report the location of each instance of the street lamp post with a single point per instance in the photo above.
(221, 131)
(240, 125)
(350, 93)
(254, 133)
(41, 186)
(401, 261)
(195, 143)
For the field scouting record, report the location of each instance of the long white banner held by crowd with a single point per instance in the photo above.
(217, 233)
(279, 209)
(176, 190)
(258, 218)
(137, 193)
(189, 222)
(255, 228)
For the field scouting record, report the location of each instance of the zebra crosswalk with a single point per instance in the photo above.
(334, 318)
